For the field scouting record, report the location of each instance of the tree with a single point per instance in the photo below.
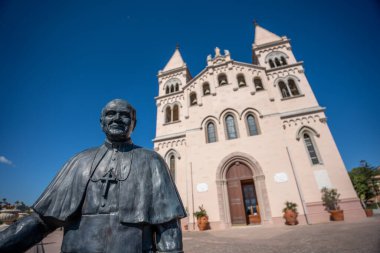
(363, 180)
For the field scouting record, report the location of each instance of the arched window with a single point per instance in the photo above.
(172, 166)
(284, 89)
(230, 127)
(283, 60)
(288, 89)
(206, 89)
(252, 125)
(193, 98)
(172, 85)
(277, 61)
(271, 64)
(211, 132)
(175, 113)
(168, 114)
(310, 148)
(258, 84)
(241, 80)
(293, 87)
(222, 79)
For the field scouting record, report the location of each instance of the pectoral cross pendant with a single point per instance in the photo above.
(107, 179)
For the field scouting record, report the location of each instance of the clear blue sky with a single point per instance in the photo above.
(61, 61)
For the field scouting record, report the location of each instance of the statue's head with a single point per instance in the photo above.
(118, 119)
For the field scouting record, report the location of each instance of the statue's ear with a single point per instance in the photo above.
(134, 125)
(101, 123)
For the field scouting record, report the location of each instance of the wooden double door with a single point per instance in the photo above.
(241, 194)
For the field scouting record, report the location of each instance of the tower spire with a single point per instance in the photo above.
(176, 61)
(263, 36)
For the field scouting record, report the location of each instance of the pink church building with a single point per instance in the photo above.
(243, 138)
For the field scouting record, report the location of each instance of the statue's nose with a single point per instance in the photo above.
(117, 115)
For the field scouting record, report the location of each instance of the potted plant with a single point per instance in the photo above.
(330, 199)
(202, 219)
(290, 213)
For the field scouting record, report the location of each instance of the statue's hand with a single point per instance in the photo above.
(23, 234)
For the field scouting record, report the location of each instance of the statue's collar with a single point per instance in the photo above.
(119, 145)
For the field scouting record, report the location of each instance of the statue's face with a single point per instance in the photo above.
(117, 120)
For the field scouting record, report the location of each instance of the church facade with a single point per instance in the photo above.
(241, 139)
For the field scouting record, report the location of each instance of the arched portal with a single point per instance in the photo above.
(242, 195)
(241, 188)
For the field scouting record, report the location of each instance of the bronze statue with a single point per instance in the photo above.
(115, 198)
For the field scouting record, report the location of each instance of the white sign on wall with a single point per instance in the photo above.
(202, 187)
(281, 177)
(322, 178)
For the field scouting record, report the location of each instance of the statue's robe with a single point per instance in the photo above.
(148, 202)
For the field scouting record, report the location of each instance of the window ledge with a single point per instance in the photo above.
(297, 96)
(223, 85)
(172, 122)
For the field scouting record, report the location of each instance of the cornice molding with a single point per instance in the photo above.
(168, 95)
(301, 112)
(162, 73)
(170, 137)
(270, 44)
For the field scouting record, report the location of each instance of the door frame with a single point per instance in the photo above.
(259, 183)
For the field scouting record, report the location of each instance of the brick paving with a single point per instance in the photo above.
(334, 237)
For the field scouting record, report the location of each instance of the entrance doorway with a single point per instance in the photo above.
(244, 207)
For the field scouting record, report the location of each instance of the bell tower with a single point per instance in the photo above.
(170, 100)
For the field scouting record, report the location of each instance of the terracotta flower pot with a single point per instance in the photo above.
(203, 223)
(337, 215)
(290, 217)
(368, 212)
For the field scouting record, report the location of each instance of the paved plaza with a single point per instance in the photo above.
(334, 237)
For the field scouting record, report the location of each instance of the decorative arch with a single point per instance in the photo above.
(172, 85)
(172, 112)
(171, 105)
(229, 110)
(172, 151)
(275, 54)
(288, 86)
(258, 178)
(304, 129)
(278, 79)
(250, 109)
(208, 118)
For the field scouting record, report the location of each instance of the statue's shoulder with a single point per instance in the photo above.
(148, 153)
(85, 154)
